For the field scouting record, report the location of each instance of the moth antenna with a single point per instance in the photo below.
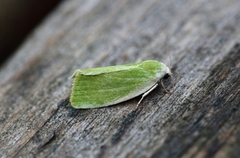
(166, 43)
(170, 61)
(170, 66)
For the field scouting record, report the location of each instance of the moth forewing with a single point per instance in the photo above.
(100, 87)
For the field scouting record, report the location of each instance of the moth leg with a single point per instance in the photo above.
(147, 92)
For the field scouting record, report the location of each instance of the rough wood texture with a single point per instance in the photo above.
(200, 119)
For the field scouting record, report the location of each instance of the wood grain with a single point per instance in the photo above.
(200, 119)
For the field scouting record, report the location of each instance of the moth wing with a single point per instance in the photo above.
(104, 70)
(104, 89)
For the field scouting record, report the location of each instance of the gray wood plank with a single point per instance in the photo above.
(200, 119)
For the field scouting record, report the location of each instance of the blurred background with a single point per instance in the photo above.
(18, 19)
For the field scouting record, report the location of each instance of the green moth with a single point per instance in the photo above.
(100, 87)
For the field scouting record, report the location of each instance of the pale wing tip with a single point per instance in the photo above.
(168, 71)
(75, 73)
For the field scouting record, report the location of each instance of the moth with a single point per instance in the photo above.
(105, 86)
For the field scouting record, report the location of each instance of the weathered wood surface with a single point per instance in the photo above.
(200, 119)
